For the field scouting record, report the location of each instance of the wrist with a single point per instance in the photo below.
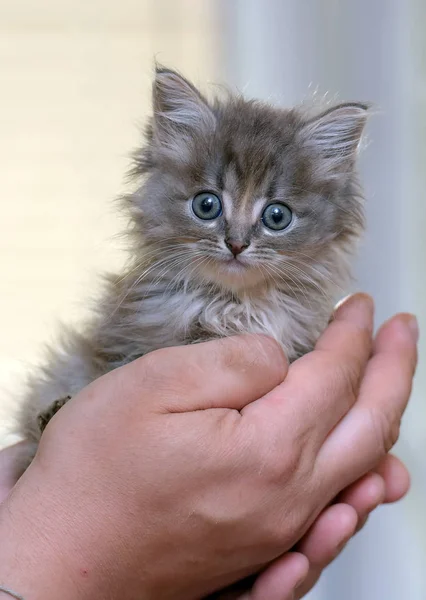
(53, 541)
(33, 562)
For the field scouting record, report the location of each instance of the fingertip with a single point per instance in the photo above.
(374, 491)
(343, 518)
(401, 329)
(396, 478)
(357, 308)
(411, 325)
(365, 494)
(331, 531)
(351, 329)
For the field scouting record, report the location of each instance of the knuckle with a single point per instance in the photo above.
(251, 352)
(276, 470)
(349, 376)
(386, 425)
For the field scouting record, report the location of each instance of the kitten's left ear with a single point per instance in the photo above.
(179, 108)
(336, 134)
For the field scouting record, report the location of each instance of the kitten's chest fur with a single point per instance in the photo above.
(188, 314)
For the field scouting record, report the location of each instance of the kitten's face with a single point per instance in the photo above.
(240, 193)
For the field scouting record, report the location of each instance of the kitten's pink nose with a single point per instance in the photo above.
(236, 247)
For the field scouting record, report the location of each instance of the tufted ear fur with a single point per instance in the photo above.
(179, 109)
(336, 135)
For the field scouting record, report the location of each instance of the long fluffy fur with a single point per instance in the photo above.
(175, 290)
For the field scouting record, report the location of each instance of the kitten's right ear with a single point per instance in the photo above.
(179, 108)
(336, 135)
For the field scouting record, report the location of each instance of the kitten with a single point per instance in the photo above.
(244, 220)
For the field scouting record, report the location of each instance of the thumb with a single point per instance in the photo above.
(225, 373)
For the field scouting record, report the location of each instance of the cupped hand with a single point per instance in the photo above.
(196, 466)
(295, 573)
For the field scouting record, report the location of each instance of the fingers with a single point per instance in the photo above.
(396, 477)
(225, 373)
(364, 495)
(333, 528)
(280, 580)
(353, 319)
(331, 532)
(325, 540)
(371, 428)
(293, 575)
(321, 386)
(389, 482)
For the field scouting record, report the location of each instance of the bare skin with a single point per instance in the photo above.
(233, 470)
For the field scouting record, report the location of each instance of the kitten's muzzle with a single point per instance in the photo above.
(236, 247)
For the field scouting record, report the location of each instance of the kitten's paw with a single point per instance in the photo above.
(45, 416)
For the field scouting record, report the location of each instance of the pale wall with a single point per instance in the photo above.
(75, 85)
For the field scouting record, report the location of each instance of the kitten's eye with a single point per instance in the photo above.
(207, 206)
(277, 217)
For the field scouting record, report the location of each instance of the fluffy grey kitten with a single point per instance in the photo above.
(244, 220)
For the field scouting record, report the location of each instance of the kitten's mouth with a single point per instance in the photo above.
(234, 264)
(233, 273)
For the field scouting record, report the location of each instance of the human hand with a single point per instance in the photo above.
(292, 575)
(295, 573)
(200, 462)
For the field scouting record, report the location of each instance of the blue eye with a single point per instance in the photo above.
(277, 217)
(207, 206)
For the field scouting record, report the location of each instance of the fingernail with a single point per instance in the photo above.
(342, 301)
(337, 306)
(414, 327)
(410, 324)
(358, 309)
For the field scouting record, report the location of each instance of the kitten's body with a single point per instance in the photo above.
(183, 284)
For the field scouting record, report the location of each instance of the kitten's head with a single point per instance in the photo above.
(242, 194)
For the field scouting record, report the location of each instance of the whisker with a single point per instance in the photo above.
(145, 273)
(320, 274)
(285, 275)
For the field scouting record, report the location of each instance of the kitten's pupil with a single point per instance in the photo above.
(207, 204)
(277, 215)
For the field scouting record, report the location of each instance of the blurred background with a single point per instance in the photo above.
(75, 88)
